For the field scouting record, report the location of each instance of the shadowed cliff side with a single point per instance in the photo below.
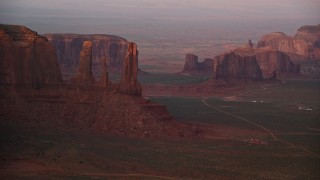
(235, 66)
(27, 59)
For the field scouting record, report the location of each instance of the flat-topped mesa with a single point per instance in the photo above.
(84, 77)
(104, 79)
(68, 47)
(129, 83)
(27, 59)
(235, 66)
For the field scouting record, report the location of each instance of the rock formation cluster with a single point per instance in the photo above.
(129, 83)
(303, 46)
(27, 59)
(275, 54)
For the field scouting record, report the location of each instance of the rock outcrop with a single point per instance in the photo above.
(193, 67)
(84, 77)
(235, 66)
(129, 83)
(27, 59)
(304, 46)
(68, 47)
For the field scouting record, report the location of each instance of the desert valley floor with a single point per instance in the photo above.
(264, 131)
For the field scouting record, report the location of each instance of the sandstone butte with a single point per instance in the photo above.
(303, 46)
(275, 53)
(27, 59)
(68, 47)
(128, 84)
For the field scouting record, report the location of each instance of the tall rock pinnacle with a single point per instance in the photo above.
(84, 76)
(129, 83)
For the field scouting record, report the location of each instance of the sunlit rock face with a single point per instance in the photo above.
(129, 83)
(27, 59)
(303, 46)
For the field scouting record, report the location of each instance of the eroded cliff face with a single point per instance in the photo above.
(68, 47)
(27, 59)
(304, 46)
(84, 77)
(235, 66)
(272, 61)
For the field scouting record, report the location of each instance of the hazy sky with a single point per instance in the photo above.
(161, 8)
(41, 13)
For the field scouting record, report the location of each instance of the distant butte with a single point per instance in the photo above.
(193, 67)
(275, 54)
(303, 46)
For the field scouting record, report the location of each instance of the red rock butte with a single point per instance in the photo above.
(27, 59)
